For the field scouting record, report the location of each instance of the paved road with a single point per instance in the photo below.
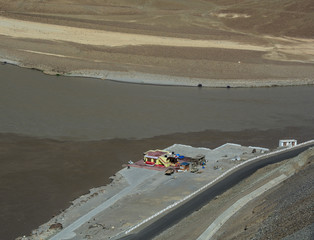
(207, 195)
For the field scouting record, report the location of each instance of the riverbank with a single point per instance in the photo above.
(41, 176)
(167, 80)
(130, 194)
(207, 55)
(130, 199)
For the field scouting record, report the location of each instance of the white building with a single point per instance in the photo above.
(287, 143)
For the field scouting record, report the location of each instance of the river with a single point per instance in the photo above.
(60, 136)
(35, 104)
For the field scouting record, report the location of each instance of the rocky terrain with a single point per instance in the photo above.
(281, 212)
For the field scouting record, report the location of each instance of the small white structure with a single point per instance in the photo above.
(287, 143)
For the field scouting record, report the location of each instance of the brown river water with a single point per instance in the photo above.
(79, 108)
(60, 136)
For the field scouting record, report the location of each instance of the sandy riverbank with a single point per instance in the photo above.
(167, 80)
(151, 45)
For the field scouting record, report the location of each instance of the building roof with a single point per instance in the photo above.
(155, 153)
(185, 163)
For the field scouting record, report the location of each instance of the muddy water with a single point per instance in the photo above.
(32, 103)
(40, 176)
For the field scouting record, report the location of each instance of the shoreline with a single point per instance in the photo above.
(88, 209)
(210, 55)
(134, 77)
(126, 183)
(88, 176)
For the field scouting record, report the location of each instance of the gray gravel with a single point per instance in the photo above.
(227, 151)
(293, 210)
(306, 233)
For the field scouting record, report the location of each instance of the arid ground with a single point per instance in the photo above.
(216, 43)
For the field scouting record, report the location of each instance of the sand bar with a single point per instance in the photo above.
(154, 59)
(25, 29)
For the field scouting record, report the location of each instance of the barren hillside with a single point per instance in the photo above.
(207, 18)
